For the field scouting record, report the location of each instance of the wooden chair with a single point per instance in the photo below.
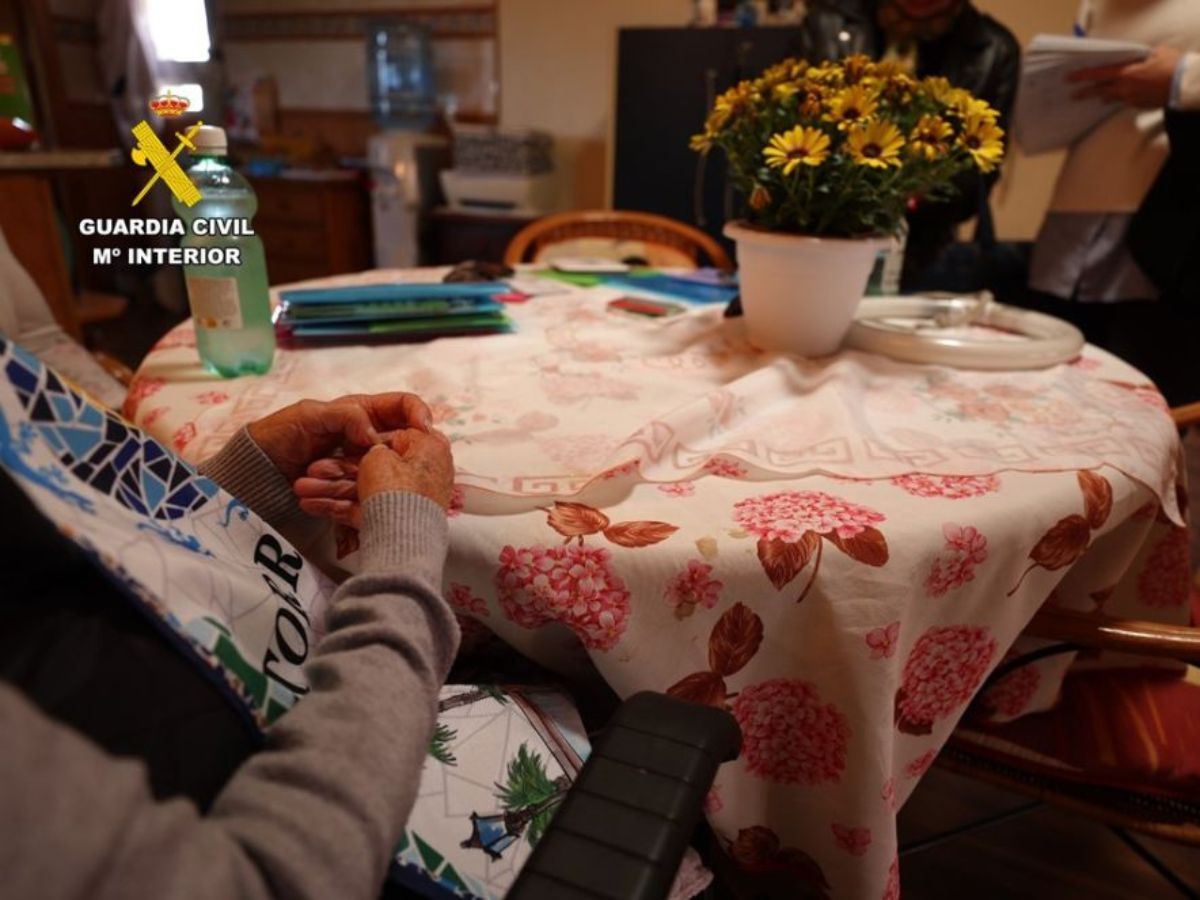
(678, 238)
(1147, 721)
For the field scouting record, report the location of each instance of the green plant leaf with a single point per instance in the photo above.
(527, 783)
(439, 744)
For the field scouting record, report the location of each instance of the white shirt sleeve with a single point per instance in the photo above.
(1186, 92)
(25, 317)
(23, 310)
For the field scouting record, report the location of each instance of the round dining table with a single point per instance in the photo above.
(839, 550)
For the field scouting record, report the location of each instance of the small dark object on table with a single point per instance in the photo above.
(734, 309)
(475, 270)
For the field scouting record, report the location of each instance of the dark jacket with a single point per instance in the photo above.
(977, 54)
(1165, 235)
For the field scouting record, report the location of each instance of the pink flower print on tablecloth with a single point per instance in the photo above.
(951, 487)
(564, 388)
(1009, 392)
(943, 670)
(984, 409)
(211, 398)
(888, 794)
(468, 609)
(788, 735)
(919, 766)
(1010, 696)
(153, 416)
(792, 527)
(892, 890)
(621, 470)
(1166, 579)
(691, 588)
(579, 453)
(572, 584)
(882, 641)
(183, 436)
(787, 515)
(713, 803)
(464, 601)
(724, 467)
(141, 388)
(967, 549)
(678, 489)
(854, 841)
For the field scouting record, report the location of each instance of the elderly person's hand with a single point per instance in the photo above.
(415, 461)
(300, 434)
(1143, 85)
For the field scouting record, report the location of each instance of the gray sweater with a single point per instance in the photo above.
(314, 814)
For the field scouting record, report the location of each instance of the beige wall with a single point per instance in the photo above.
(557, 72)
(1020, 200)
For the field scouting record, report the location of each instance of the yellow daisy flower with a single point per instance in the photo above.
(852, 105)
(965, 106)
(797, 147)
(811, 106)
(890, 68)
(984, 140)
(898, 89)
(875, 144)
(825, 73)
(701, 143)
(939, 88)
(731, 103)
(785, 90)
(857, 67)
(930, 137)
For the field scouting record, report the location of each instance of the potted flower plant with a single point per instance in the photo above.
(828, 157)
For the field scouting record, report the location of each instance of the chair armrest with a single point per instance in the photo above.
(1156, 639)
(1186, 415)
(623, 827)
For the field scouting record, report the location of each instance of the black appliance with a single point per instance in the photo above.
(667, 79)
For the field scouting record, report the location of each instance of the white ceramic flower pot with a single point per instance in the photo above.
(799, 293)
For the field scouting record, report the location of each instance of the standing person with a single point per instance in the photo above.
(1117, 252)
(947, 38)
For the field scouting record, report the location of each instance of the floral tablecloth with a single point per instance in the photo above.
(839, 550)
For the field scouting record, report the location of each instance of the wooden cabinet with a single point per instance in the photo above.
(311, 228)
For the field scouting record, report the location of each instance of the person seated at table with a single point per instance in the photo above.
(949, 38)
(25, 316)
(1117, 252)
(124, 770)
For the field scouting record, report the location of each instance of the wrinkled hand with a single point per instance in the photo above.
(414, 461)
(1142, 85)
(300, 434)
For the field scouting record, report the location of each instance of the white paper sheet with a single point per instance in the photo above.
(1048, 116)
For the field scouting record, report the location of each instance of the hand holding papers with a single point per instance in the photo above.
(1049, 114)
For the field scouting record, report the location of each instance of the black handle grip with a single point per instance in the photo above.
(623, 828)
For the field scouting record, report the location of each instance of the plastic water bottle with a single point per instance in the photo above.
(230, 304)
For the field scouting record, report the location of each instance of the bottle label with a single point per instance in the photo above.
(215, 302)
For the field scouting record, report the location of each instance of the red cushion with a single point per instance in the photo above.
(1136, 729)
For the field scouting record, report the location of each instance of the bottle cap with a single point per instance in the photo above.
(210, 140)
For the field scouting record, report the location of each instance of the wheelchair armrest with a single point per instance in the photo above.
(622, 829)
